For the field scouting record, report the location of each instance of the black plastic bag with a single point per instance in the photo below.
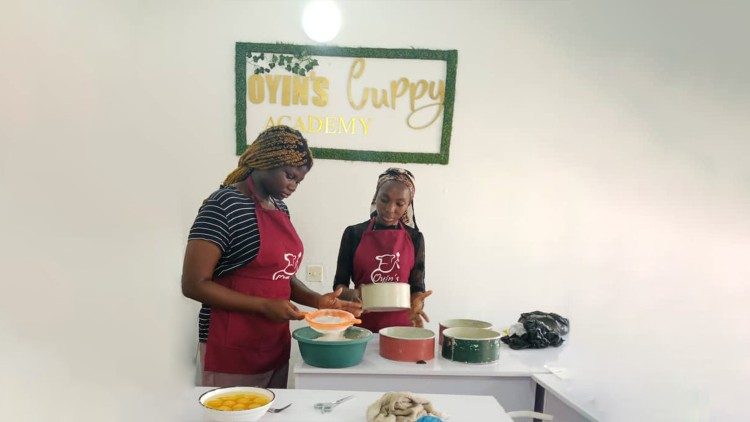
(542, 330)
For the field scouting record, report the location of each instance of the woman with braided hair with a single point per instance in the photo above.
(387, 247)
(240, 263)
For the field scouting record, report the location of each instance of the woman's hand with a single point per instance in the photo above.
(281, 310)
(352, 295)
(416, 314)
(332, 301)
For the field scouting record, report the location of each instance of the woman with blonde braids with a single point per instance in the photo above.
(388, 247)
(240, 263)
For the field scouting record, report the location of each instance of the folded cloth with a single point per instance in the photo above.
(400, 406)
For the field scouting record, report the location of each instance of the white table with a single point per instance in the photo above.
(459, 408)
(508, 380)
(564, 401)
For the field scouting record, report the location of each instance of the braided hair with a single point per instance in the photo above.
(275, 147)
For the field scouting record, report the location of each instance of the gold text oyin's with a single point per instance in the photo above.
(287, 89)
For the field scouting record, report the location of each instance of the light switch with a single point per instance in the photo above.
(314, 273)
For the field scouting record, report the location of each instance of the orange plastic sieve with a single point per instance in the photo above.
(347, 319)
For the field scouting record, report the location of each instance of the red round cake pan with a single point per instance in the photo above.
(407, 344)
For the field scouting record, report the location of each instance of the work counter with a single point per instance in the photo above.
(458, 407)
(509, 380)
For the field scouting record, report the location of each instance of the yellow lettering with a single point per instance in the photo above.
(355, 71)
(300, 126)
(352, 121)
(383, 98)
(310, 122)
(416, 91)
(398, 88)
(273, 87)
(440, 94)
(286, 90)
(436, 92)
(255, 91)
(330, 123)
(300, 90)
(320, 86)
(438, 110)
(365, 124)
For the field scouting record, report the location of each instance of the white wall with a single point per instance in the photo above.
(598, 169)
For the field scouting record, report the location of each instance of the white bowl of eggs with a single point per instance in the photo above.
(236, 404)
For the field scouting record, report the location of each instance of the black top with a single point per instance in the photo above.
(350, 241)
(227, 219)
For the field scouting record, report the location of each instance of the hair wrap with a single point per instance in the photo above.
(402, 176)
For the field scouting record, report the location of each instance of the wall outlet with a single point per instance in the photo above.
(314, 273)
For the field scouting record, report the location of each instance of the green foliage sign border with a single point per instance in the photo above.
(242, 49)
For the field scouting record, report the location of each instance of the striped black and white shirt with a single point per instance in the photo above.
(228, 220)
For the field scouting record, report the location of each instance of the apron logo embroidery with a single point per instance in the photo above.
(292, 263)
(386, 264)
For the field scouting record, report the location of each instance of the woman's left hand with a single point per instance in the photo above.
(417, 315)
(332, 301)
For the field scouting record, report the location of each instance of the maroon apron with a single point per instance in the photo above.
(384, 256)
(250, 343)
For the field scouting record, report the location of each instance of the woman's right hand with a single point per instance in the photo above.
(352, 295)
(281, 310)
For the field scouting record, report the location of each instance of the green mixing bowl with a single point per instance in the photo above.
(332, 354)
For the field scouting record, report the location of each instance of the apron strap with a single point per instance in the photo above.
(371, 225)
